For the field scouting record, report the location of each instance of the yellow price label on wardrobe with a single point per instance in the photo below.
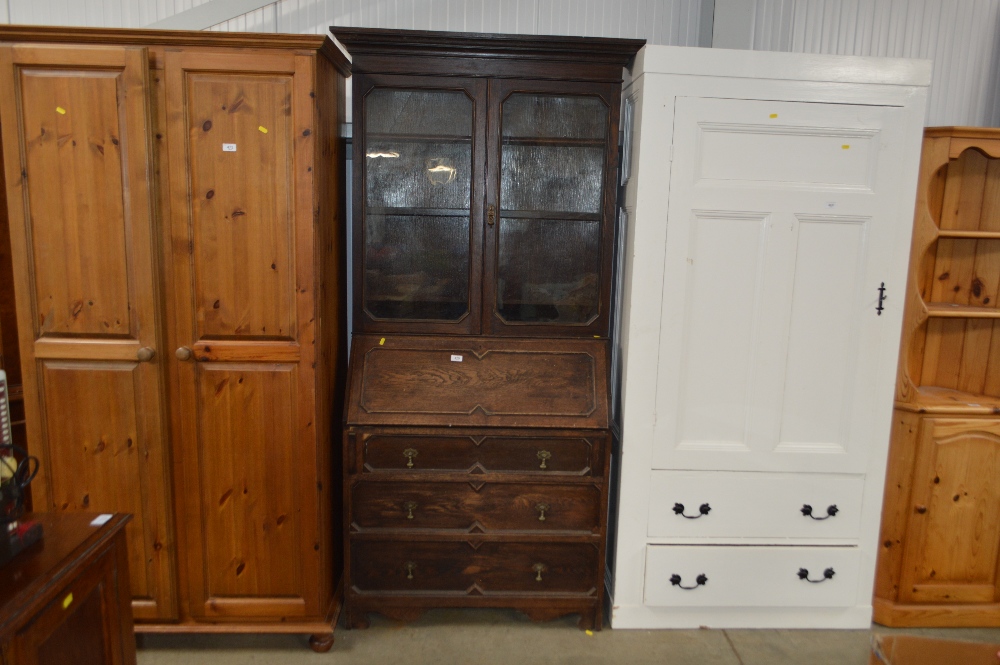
(381, 341)
(60, 110)
(67, 601)
(263, 129)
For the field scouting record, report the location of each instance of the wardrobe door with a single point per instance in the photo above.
(240, 140)
(76, 153)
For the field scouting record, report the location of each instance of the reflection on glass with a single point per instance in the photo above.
(418, 185)
(548, 270)
(552, 178)
(552, 116)
(416, 267)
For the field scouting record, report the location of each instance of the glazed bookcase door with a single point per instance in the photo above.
(81, 220)
(419, 234)
(549, 206)
(242, 274)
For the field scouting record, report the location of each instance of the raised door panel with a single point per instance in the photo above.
(77, 163)
(420, 153)
(549, 208)
(779, 234)
(241, 147)
(951, 551)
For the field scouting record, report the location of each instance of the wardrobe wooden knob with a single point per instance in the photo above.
(145, 354)
(184, 353)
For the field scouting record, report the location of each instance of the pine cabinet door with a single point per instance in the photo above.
(780, 229)
(952, 553)
(242, 287)
(75, 135)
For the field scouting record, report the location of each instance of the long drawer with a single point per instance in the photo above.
(467, 505)
(746, 576)
(418, 453)
(704, 504)
(484, 568)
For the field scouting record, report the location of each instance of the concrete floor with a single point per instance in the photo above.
(486, 637)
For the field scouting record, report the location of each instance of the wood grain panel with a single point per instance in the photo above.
(77, 164)
(248, 504)
(243, 231)
(98, 457)
(475, 507)
(73, 126)
(473, 568)
(952, 550)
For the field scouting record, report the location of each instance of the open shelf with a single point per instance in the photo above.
(952, 311)
(933, 399)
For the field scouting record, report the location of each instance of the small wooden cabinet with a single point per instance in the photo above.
(477, 436)
(66, 599)
(176, 218)
(940, 541)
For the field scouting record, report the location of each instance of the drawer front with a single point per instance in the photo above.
(491, 454)
(458, 567)
(466, 506)
(751, 576)
(754, 505)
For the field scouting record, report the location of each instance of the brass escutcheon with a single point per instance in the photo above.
(545, 456)
(410, 567)
(409, 454)
(409, 507)
(538, 568)
(541, 508)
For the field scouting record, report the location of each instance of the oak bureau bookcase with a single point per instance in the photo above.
(477, 426)
(175, 216)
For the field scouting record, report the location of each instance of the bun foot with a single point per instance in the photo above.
(321, 643)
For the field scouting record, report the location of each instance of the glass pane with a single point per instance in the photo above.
(418, 112)
(552, 178)
(418, 175)
(548, 270)
(416, 267)
(552, 116)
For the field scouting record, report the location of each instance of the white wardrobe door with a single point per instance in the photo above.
(781, 222)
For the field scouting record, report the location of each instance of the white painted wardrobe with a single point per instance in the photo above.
(769, 197)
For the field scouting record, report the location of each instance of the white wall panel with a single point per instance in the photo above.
(962, 37)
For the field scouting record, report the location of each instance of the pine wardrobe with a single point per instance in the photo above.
(175, 207)
(769, 199)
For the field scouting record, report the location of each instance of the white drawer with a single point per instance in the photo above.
(754, 505)
(750, 576)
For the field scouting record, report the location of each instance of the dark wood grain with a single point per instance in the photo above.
(66, 599)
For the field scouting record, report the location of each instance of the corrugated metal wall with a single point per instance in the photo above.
(962, 37)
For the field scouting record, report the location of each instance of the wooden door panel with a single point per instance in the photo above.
(76, 142)
(248, 502)
(952, 553)
(73, 123)
(242, 300)
(242, 226)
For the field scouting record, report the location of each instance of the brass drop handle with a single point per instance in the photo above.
(545, 456)
(538, 568)
(145, 354)
(410, 567)
(491, 213)
(184, 353)
(409, 454)
(541, 508)
(409, 507)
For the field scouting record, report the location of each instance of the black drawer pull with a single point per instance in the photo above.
(827, 575)
(675, 580)
(703, 509)
(807, 510)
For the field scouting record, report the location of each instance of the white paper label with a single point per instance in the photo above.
(100, 519)
(228, 147)
(456, 359)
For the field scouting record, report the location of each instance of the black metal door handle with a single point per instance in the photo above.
(827, 575)
(881, 298)
(807, 510)
(703, 509)
(675, 580)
